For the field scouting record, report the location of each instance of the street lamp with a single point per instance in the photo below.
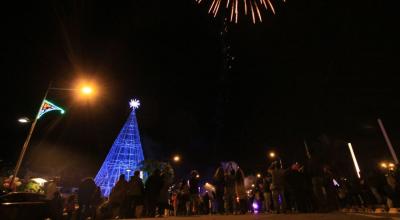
(391, 166)
(176, 158)
(45, 107)
(23, 120)
(259, 175)
(86, 90)
(387, 165)
(272, 155)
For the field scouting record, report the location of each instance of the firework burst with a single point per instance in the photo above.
(234, 8)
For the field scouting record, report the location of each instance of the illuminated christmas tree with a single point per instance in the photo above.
(125, 155)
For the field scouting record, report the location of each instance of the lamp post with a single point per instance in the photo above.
(272, 155)
(23, 120)
(33, 125)
(176, 158)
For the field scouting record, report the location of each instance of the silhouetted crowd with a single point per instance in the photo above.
(294, 189)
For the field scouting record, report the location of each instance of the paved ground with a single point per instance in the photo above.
(328, 216)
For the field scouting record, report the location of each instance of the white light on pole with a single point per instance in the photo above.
(354, 160)
(23, 120)
(389, 144)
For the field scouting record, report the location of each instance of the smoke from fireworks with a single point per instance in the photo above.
(234, 8)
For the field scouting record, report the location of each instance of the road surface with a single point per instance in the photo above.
(327, 216)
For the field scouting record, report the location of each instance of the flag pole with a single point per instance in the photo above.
(389, 144)
(27, 140)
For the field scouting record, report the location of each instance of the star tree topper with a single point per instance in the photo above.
(134, 103)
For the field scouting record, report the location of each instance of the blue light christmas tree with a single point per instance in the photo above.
(125, 155)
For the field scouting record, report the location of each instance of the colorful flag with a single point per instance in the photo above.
(47, 107)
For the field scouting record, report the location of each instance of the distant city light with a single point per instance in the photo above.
(258, 175)
(177, 158)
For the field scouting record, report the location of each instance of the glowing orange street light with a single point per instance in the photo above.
(387, 166)
(86, 90)
(391, 166)
(176, 158)
(272, 154)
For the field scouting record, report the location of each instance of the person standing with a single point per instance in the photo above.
(96, 201)
(206, 203)
(314, 169)
(135, 195)
(219, 181)
(152, 192)
(183, 204)
(267, 193)
(277, 187)
(117, 196)
(194, 192)
(70, 206)
(56, 206)
(163, 199)
(240, 192)
(85, 193)
(229, 191)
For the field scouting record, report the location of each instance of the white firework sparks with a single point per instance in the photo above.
(253, 8)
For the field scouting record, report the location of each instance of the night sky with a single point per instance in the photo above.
(322, 71)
